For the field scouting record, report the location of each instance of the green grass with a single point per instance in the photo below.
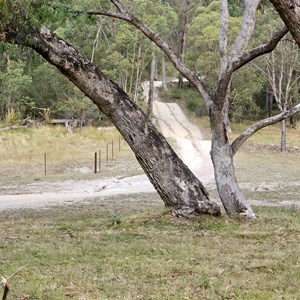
(80, 252)
(129, 247)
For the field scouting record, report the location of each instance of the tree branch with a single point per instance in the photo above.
(237, 143)
(289, 12)
(223, 34)
(242, 40)
(101, 12)
(153, 36)
(260, 50)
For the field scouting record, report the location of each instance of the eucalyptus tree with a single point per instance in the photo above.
(175, 183)
(204, 39)
(282, 69)
(20, 23)
(13, 85)
(231, 59)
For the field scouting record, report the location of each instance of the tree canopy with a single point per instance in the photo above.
(220, 60)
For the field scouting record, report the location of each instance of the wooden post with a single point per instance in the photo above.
(45, 163)
(95, 163)
(107, 154)
(99, 160)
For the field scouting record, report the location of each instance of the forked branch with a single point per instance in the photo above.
(123, 14)
(260, 50)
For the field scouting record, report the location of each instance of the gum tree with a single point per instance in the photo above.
(175, 183)
(222, 151)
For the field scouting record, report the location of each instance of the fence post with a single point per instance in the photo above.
(45, 163)
(95, 163)
(107, 154)
(99, 160)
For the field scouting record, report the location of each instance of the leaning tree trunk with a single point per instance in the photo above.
(175, 183)
(230, 194)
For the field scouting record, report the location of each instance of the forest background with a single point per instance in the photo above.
(31, 88)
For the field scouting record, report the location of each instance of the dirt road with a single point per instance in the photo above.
(173, 124)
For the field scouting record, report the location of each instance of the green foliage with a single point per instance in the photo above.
(76, 107)
(13, 85)
(245, 84)
(122, 52)
(203, 45)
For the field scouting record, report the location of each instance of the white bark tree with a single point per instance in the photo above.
(281, 65)
(175, 183)
(216, 102)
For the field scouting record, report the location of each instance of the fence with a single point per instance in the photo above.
(99, 159)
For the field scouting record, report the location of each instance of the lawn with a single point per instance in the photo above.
(129, 247)
(120, 248)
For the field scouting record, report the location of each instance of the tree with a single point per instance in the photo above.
(216, 101)
(13, 85)
(281, 66)
(177, 186)
(175, 183)
(203, 38)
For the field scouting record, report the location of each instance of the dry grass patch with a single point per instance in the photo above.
(68, 155)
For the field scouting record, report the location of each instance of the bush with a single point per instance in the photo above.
(192, 104)
(12, 117)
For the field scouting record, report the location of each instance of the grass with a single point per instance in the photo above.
(68, 155)
(81, 252)
(128, 247)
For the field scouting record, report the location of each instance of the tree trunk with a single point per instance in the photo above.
(176, 184)
(289, 12)
(269, 102)
(137, 81)
(293, 122)
(151, 85)
(283, 136)
(183, 40)
(163, 72)
(230, 194)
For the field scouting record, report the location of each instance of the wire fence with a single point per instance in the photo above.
(99, 160)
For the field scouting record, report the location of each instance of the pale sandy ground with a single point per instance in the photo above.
(173, 124)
